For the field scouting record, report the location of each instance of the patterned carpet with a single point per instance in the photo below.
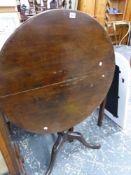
(113, 158)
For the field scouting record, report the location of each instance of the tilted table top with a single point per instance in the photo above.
(55, 69)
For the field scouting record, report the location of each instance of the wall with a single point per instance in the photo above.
(128, 11)
(100, 10)
(7, 3)
(94, 8)
(87, 6)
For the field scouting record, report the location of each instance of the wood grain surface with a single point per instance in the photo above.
(55, 70)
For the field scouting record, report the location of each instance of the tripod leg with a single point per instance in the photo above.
(101, 112)
(59, 142)
(78, 136)
(70, 130)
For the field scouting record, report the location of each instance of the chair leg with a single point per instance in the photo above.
(19, 159)
(101, 112)
(7, 149)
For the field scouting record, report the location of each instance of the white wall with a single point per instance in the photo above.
(7, 2)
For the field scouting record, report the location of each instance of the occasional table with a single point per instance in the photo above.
(55, 69)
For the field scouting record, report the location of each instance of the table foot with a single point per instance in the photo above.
(69, 135)
(78, 136)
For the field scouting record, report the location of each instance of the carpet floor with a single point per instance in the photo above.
(113, 158)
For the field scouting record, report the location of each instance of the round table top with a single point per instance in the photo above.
(55, 69)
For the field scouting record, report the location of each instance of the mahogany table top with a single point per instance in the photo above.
(55, 69)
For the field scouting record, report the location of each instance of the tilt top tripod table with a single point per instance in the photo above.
(55, 69)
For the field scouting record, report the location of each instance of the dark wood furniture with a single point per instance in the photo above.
(116, 22)
(55, 70)
(101, 112)
(36, 7)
